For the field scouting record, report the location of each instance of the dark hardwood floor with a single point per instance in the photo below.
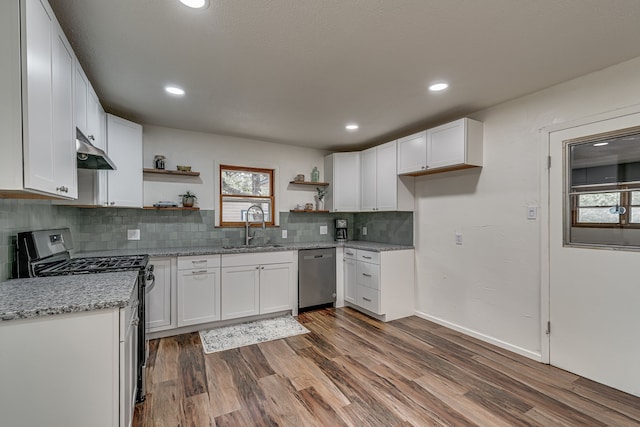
(352, 370)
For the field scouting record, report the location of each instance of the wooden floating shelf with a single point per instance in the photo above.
(303, 211)
(170, 172)
(319, 184)
(177, 208)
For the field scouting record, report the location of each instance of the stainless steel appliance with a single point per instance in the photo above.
(341, 230)
(316, 277)
(90, 156)
(46, 253)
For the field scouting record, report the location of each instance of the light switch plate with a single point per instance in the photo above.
(458, 238)
(133, 234)
(364, 231)
(532, 212)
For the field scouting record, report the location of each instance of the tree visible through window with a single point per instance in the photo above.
(242, 187)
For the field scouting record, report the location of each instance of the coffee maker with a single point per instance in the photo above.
(341, 230)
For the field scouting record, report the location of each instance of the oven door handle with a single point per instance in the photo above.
(150, 279)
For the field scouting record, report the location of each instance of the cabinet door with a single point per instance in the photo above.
(386, 177)
(412, 153)
(346, 182)
(446, 145)
(350, 280)
(240, 291)
(368, 191)
(124, 147)
(198, 296)
(94, 118)
(80, 97)
(275, 288)
(158, 308)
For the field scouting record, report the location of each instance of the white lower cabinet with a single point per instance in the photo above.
(383, 284)
(258, 283)
(76, 369)
(158, 299)
(349, 275)
(240, 291)
(198, 290)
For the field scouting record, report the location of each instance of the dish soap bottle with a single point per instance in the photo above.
(315, 174)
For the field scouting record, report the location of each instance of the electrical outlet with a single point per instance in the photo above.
(324, 229)
(133, 234)
(284, 234)
(364, 231)
(458, 238)
(532, 212)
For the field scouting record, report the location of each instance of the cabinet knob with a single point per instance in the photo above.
(262, 268)
(112, 203)
(91, 137)
(423, 167)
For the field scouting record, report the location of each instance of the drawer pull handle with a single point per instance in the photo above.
(199, 271)
(366, 257)
(349, 253)
(366, 299)
(366, 275)
(202, 261)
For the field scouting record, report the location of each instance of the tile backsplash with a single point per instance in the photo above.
(97, 229)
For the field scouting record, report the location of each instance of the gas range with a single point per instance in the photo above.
(88, 265)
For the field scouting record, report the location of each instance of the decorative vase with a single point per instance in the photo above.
(315, 174)
(319, 204)
(188, 202)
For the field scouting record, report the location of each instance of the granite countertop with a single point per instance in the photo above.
(213, 250)
(47, 296)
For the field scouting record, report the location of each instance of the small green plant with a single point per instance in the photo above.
(321, 193)
(188, 195)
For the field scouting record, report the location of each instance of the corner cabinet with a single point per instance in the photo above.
(380, 187)
(36, 110)
(452, 146)
(342, 171)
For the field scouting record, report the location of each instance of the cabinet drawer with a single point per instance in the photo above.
(350, 253)
(198, 262)
(368, 256)
(368, 275)
(368, 298)
(238, 260)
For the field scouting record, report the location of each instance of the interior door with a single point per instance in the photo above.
(594, 292)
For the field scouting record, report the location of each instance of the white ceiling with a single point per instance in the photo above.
(296, 71)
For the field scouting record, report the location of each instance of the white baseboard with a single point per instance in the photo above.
(486, 338)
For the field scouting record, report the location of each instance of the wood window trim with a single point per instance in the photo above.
(271, 197)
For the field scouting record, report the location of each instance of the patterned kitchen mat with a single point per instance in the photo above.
(234, 336)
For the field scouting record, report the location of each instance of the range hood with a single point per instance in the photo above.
(90, 157)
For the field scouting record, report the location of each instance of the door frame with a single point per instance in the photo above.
(545, 248)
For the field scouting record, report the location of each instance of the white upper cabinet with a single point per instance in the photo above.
(36, 110)
(381, 188)
(124, 146)
(455, 145)
(412, 153)
(80, 98)
(342, 171)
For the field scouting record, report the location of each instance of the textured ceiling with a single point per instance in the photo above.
(295, 71)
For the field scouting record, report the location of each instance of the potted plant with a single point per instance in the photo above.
(319, 202)
(188, 199)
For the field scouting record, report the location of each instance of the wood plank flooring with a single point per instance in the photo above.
(352, 370)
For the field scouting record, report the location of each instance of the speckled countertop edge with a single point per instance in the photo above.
(214, 250)
(48, 296)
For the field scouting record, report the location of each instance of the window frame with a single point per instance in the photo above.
(624, 190)
(271, 197)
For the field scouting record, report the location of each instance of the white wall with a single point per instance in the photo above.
(490, 286)
(201, 151)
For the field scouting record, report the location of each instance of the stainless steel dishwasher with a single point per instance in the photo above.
(316, 277)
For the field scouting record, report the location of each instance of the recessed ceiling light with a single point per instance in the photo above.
(600, 144)
(437, 87)
(174, 90)
(196, 4)
(351, 127)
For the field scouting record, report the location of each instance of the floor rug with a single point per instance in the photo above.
(234, 336)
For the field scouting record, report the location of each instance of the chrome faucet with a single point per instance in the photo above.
(248, 238)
